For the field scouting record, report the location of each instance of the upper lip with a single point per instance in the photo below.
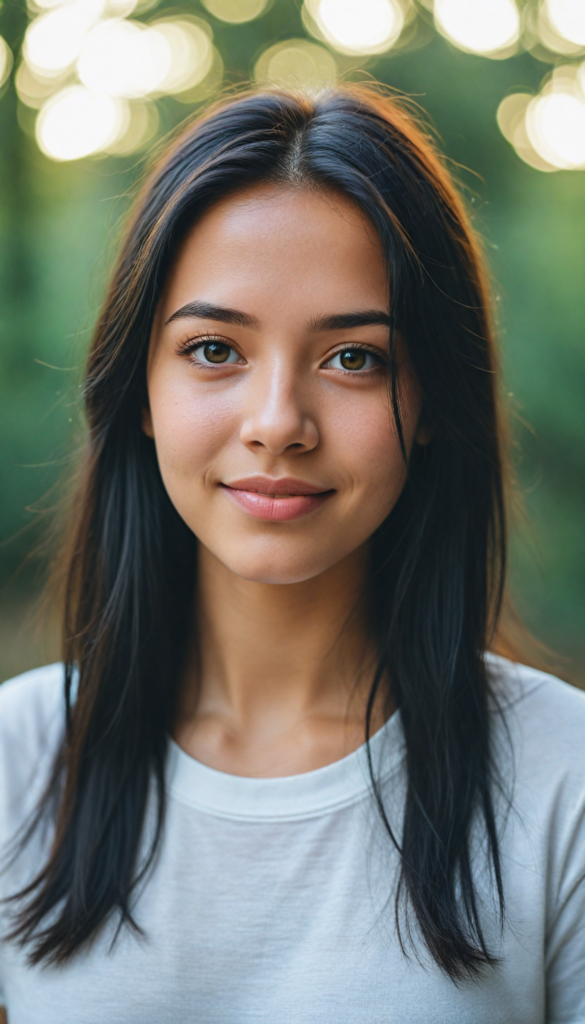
(276, 485)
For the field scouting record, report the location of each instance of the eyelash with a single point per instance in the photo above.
(189, 348)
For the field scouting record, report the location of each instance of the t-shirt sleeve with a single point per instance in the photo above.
(31, 725)
(547, 726)
(565, 939)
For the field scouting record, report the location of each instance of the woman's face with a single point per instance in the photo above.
(267, 384)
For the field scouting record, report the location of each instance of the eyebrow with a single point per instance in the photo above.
(226, 315)
(207, 311)
(345, 321)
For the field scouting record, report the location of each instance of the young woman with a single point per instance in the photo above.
(280, 776)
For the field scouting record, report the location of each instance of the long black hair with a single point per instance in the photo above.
(129, 561)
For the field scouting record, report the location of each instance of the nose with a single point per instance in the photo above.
(277, 416)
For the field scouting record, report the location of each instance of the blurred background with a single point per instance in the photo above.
(89, 87)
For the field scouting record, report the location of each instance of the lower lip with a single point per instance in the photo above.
(278, 510)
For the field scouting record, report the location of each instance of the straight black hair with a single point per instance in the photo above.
(129, 561)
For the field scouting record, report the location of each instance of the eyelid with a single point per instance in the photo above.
(187, 346)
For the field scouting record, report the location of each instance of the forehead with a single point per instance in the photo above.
(279, 245)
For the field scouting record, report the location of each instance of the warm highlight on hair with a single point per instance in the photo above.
(129, 563)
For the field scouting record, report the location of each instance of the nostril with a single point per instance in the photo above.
(276, 432)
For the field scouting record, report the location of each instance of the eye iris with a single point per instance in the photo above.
(353, 359)
(215, 352)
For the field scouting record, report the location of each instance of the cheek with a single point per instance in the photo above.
(190, 427)
(366, 444)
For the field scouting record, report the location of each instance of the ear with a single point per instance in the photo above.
(146, 422)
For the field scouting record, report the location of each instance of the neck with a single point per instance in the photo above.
(272, 659)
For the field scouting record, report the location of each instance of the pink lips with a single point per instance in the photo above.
(279, 499)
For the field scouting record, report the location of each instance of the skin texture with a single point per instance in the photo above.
(282, 632)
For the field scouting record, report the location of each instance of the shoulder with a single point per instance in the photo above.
(32, 716)
(544, 718)
(542, 704)
(32, 704)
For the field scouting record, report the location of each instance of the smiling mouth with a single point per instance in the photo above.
(276, 500)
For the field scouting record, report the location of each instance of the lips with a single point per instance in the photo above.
(279, 499)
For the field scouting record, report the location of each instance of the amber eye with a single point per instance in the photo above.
(353, 359)
(216, 352)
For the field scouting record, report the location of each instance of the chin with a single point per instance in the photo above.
(274, 566)
(272, 573)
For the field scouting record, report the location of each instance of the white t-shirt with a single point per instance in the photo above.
(269, 900)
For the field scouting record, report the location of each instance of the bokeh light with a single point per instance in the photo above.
(53, 41)
(121, 8)
(31, 89)
(298, 64)
(235, 11)
(511, 119)
(142, 125)
(78, 122)
(555, 123)
(209, 85)
(192, 53)
(35, 6)
(567, 17)
(358, 26)
(548, 130)
(511, 113)
(487, 27)
(115, 60)
(112, 8)
(124, 58)
(129, 63)
(5, 60)
(551, 15)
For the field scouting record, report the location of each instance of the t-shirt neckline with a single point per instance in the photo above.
(309, 794)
